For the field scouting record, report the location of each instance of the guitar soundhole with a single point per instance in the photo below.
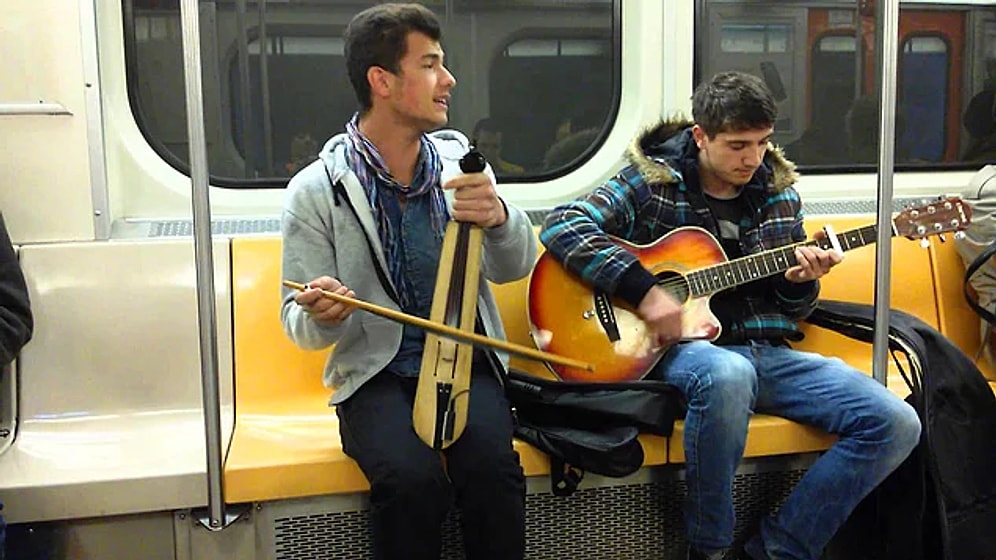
(675, 284)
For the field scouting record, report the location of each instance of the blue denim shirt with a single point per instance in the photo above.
(419, 248)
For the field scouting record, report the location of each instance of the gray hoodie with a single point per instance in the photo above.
(321, 236)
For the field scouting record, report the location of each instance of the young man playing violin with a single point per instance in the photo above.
(366, 220)
(720, 173)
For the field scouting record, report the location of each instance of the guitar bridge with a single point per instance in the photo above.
(606, 316)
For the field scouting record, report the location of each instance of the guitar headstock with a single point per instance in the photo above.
(940, 216)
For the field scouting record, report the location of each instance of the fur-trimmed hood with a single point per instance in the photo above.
(655, 151)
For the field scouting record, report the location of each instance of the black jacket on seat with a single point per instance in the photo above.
(941, 502)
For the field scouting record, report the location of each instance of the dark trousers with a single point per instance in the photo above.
(411, 490)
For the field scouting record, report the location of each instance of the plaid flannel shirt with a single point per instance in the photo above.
(649, 198)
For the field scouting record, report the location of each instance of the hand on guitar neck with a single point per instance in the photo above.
(814, 262)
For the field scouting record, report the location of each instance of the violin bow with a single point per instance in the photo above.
(443, 330)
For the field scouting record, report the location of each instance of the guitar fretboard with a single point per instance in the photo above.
(716, 278)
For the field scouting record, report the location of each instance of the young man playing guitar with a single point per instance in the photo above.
(720, 173)
(367, 219)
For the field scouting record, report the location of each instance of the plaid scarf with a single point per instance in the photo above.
(370, 169)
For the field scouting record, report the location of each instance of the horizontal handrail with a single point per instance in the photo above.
(40, 108)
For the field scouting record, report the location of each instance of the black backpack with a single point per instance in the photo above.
(590, 427)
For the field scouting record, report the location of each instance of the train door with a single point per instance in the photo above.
(925, 63)
(931, 44)
(930, 69)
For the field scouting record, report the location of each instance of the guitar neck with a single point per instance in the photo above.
(716, 278)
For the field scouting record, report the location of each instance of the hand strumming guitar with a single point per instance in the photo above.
(662, 313)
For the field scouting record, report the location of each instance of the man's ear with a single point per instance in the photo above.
(698, 135)
(380, 81)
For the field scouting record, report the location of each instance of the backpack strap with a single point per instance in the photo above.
(564, 478)
(980, 260)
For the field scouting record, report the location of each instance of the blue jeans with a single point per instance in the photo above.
(723, 385)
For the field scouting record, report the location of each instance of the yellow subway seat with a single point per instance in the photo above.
(269, 367)
(286, 442)
(767, 435)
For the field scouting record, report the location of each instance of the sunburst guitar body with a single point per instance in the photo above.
(567, 317)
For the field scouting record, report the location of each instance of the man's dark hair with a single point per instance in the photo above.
(733, 101)
(378, 36)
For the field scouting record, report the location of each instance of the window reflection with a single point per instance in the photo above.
(829, 117)
(530, 73)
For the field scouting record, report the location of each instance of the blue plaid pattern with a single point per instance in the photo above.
(627, 206)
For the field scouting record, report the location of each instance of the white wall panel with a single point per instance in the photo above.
(44, 163)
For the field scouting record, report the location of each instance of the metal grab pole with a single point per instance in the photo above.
(264, 88)
(203, 257)
(245, 114)
(888, 14)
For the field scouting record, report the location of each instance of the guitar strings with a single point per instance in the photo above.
(679, 283)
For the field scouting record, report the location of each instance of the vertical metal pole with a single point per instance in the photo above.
(859, 53)
(190, 25)
(95, 122)
(888, 42)
(448, 11)
(264, 79)
(245, 93)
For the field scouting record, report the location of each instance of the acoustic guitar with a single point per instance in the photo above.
(569, 318)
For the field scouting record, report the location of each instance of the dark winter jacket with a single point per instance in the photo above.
(16, 322)
(941, 503)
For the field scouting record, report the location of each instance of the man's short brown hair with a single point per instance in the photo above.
(733, 101)
(378, 36)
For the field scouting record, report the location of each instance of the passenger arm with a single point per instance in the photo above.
(509, 249)
(578, 235)
(308, 253)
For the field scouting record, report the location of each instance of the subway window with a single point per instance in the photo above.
(546, 133)
(979, 116)
(756, 38)
(830, 94)
(819, 59)
(305, 68)
(537, 81)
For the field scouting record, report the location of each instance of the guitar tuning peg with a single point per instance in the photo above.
(959, 235)
(925, 243)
